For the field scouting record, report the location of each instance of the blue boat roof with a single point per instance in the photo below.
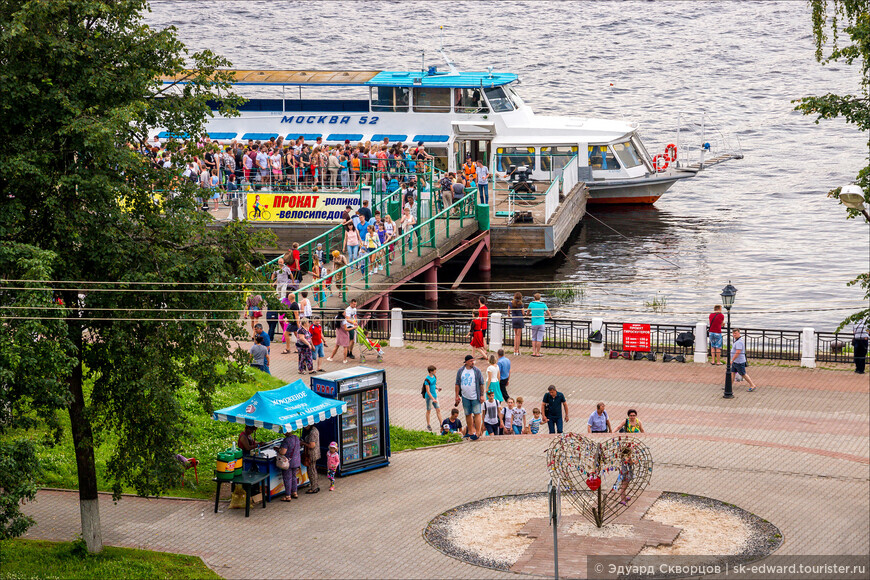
(440, 79)
(334, 78)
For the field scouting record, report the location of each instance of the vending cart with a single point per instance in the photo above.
(363, 431)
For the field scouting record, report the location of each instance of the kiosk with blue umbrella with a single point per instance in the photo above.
(282, 410)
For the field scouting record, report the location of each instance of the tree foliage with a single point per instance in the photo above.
(831, 19)
(112, 281)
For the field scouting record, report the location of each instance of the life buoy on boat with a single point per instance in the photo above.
(660, 162)
(671, 152)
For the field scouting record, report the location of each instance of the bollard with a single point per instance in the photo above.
(596, 349)
(496, 331)
(701, 342)
(808, 348)
(397, 336)
(234, 211)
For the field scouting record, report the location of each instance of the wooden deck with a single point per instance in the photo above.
(527, 243)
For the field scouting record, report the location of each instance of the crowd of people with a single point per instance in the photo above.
(290, 164)
(221, 170)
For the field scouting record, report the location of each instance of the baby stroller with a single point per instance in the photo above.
(367, 345)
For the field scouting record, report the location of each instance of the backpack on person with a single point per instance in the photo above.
(624, 428)
(425, 387)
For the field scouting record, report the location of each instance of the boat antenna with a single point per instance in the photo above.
(450, 65)
(422, 61)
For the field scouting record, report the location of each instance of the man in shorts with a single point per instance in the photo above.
(538, 311)
(469, 391)
(738, 359)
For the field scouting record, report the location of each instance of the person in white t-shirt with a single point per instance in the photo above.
(262, 164)
(350, 317)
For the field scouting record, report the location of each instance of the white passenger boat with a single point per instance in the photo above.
(457, 113)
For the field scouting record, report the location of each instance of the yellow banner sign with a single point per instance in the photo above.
(298, 207)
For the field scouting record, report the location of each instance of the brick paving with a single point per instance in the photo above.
(795, 452)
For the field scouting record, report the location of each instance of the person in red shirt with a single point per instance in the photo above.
(293, 260)
(716, 320)
(317, 342)
(483, 311)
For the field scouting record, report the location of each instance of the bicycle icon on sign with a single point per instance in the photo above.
(260, 214)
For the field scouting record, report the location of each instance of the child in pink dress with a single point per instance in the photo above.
(332, 462)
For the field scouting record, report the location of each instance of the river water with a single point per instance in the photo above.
(762, 223)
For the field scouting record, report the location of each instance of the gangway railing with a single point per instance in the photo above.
(404, 248)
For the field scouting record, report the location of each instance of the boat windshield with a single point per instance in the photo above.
(499, 100)
(627, 154)
(601, 157)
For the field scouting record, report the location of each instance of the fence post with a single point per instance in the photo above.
(397, 336)
(701, 342)
(496, 331)
(596, 349)
(808, 348)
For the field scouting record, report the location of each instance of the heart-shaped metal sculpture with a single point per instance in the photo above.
(601, 478)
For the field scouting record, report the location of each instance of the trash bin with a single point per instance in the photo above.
(483, 216)
(394, 208)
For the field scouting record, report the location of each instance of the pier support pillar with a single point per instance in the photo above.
(430, 279)
(384, 314)
(596, 349)
(397, 335)
(483, 260)
(701, 342)
(496, 331)
(808, 348)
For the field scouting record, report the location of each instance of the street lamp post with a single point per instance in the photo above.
(728, 295)
(853, 197)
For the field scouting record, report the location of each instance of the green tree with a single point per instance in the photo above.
(114, 295)
(830, 20)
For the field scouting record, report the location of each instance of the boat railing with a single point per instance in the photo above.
(700, 139)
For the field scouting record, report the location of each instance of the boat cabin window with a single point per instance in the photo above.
(499, 100)
(600, 157)
(390, 99)
(627, 154)
(431, 100)
(508, 156)
(470, 101)
(556, 158)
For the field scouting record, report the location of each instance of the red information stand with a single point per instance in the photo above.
(635, 337)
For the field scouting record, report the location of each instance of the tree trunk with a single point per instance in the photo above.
(83, 442)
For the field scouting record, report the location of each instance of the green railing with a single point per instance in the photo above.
(404, 248)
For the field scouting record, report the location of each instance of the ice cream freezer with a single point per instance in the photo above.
(363, 431)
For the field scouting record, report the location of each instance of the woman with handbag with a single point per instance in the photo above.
(289, 461)
(304, 347)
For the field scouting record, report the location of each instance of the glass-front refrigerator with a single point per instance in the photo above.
(362, 432)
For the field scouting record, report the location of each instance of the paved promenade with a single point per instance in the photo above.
(795, 452)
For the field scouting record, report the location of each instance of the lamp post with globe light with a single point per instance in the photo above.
(728, 295)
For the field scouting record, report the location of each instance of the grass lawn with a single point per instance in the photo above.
(40, 559)
(401, 438)
(208, 437)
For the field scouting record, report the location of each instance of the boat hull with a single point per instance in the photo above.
(640, 191)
